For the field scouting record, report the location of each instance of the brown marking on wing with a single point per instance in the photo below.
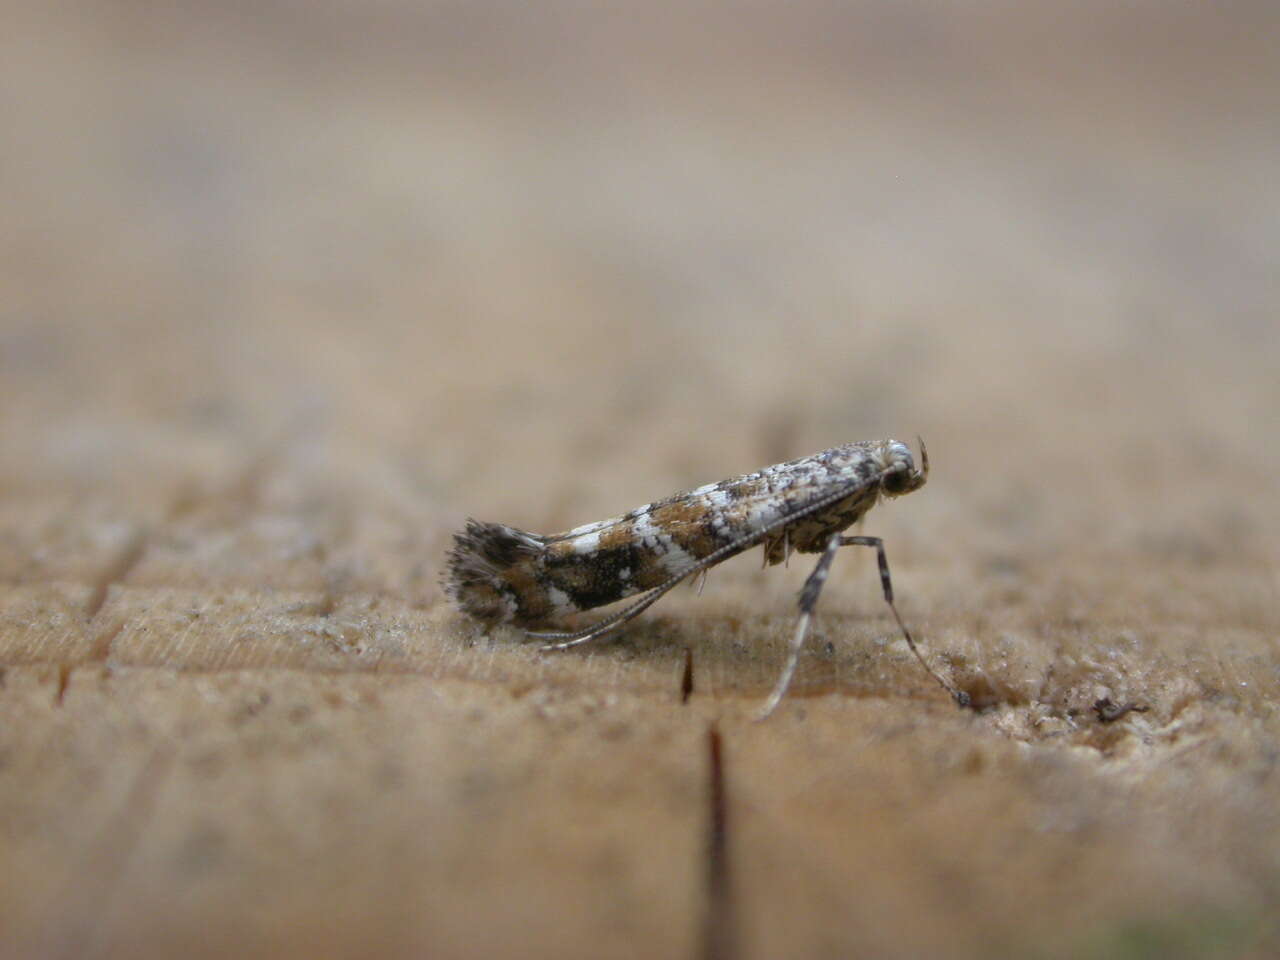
(482, 601)
(688, 523)
(698, 540)
(531, 597)
(684, 511)
(649, 570)
(558, 550)
(618, 536)
(745, 488)
(577, 576)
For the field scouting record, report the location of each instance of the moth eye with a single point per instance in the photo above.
(896, 481)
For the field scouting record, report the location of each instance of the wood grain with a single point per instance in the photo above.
(296, 293)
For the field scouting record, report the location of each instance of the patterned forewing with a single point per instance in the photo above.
(603, 562)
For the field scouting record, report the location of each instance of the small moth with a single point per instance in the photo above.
(499, 574)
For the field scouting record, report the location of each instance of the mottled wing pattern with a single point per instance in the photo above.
(496, 572)
(609, 560)
(499, 573)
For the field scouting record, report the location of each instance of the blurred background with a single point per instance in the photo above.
(543, 261)
(289, 288)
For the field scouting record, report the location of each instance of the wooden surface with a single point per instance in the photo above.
(288, 294)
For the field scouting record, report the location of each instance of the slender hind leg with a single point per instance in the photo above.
(809, 594)
(600, 628)
(808, 598)
(959, 696)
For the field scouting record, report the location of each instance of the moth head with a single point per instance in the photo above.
(900, 472)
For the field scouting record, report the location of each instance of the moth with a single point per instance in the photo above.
(499, 574)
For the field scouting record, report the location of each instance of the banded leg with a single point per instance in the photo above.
(959, 696)
(607, 625)
(809, 594)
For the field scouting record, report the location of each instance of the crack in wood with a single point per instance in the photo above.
(115, 572)
(101, 649)
(64, 680)
(718, 936)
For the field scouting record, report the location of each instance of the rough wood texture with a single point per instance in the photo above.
(287, 294)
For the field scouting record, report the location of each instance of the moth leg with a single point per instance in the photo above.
(959, 696)
(601, 627)
(585, 635)
(808, 599)
(786, 551)
(594, 632)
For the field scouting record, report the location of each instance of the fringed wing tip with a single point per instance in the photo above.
(476, 570)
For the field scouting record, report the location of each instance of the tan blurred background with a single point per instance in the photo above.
(288, 289)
